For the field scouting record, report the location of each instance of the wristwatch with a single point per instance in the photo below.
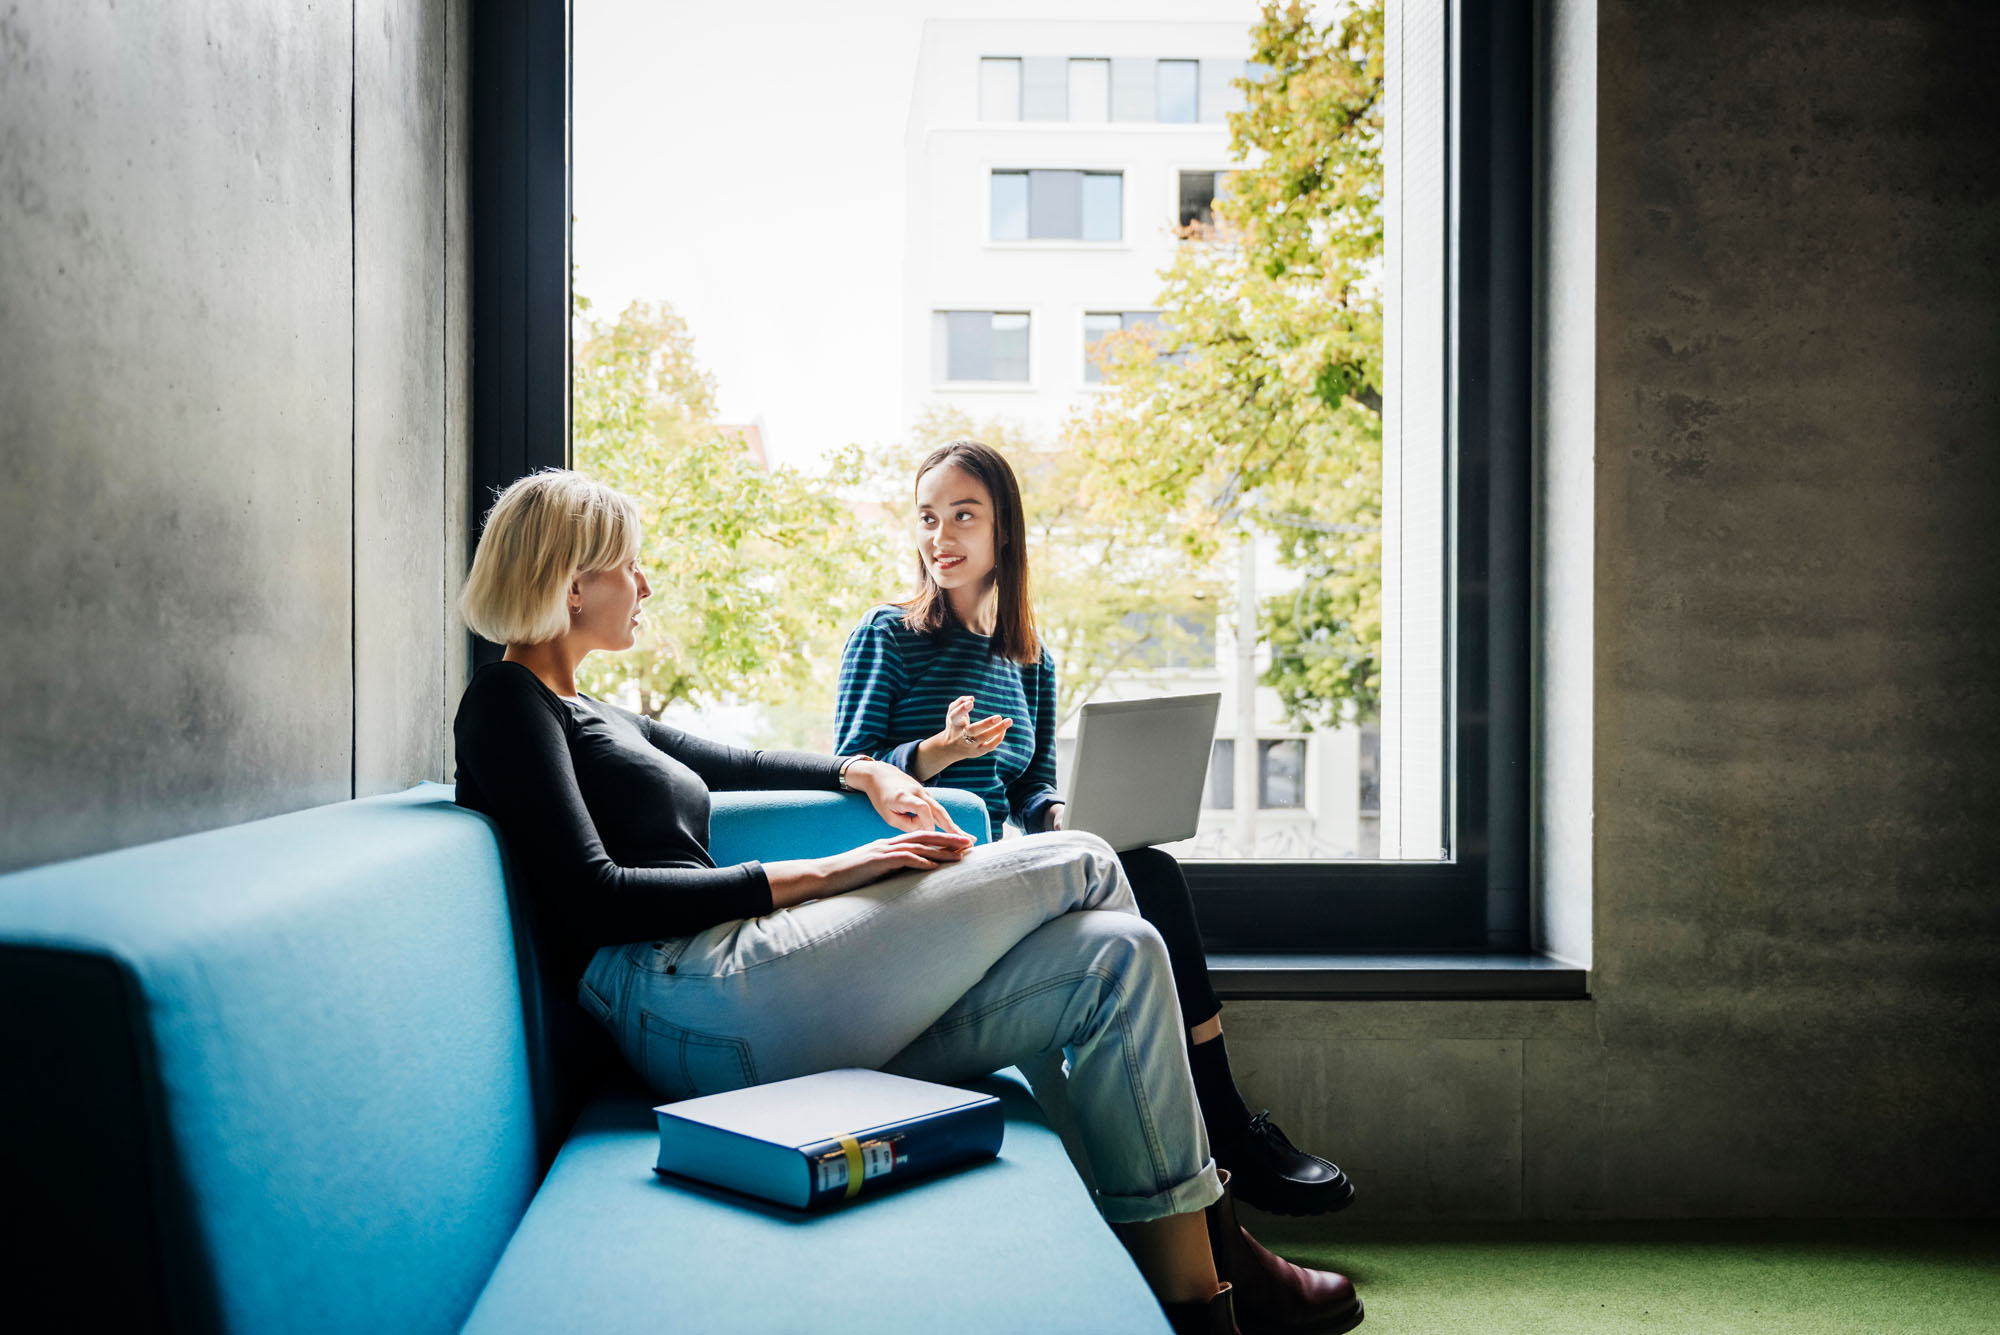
(847, 762)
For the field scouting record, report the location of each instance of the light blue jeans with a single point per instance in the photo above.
(1027, 952)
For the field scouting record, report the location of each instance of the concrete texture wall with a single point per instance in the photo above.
(230, 404)
(1795, 747)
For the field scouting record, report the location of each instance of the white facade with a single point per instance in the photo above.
(955, 266)
(952, 261)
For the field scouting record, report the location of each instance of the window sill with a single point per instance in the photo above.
(1396, 977)
(983, 387)
(1055, 244)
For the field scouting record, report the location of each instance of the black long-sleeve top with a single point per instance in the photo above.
(604, 812)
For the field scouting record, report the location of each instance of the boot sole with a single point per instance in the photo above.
(1346, 1321)
(1312, 1205)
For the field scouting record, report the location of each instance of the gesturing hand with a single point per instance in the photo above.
(968, 739)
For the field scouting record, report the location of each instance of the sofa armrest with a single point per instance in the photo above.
(770, 826)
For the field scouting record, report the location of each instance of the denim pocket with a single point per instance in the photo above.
(682, 1063)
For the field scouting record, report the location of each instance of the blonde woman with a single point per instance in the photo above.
(916, 953)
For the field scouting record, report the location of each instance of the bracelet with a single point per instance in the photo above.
(840, 775)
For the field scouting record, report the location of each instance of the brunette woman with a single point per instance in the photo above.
(911, 679)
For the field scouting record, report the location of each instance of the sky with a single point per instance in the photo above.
(745, 163)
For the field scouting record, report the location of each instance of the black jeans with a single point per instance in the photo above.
(1162, 892)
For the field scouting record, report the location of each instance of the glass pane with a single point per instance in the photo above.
(1090, 90)
(971, 356)
(1281, 774)
(1178, 95)
(1132, 89)
(1055, 205)
(1096, 324)
(1219, 794)
(999, 89)
(1282, 620)
(1103, 206)
(1045, 88)
(1010, 206)
(1219, 94)
(1010, 346)
(1197, 195)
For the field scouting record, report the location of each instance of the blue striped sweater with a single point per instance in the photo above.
(896, 684)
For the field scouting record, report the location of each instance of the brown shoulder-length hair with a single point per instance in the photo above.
(929, 611)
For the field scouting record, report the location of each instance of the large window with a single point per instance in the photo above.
(1366, 781)
(1057, 206)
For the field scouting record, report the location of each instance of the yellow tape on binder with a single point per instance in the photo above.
(852, 1148)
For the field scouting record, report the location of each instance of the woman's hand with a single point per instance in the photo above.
(900, 799)
(961, 738)
(810, 878)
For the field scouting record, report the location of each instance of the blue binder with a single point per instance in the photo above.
(825, 1138)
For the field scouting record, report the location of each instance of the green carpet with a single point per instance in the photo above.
(1905, 1278)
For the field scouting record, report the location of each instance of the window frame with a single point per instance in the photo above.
(1028, 385)
(995, 170)
(1478, 901)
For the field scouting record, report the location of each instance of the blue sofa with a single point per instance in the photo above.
(306, 1074)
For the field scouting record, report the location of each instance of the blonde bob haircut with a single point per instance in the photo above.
(545, 530)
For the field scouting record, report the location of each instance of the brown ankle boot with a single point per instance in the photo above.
(1273, 1296)
(1214, 1316)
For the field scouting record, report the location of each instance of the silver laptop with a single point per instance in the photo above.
(1139, 769)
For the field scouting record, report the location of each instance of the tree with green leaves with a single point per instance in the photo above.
(757, 573)
(1110, 596)
(1256, 405)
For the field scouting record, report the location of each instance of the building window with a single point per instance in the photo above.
(1090, 90)
(1045, 88)
(1199, 191)
(1010, 206)
(1132, 89)
(1058, 206)
(1171, 640)
(1281, 773)
(1219, 93)
(979, 345)
(1219, 793)
(999, 89)
(1097, 324)
(1177, 92)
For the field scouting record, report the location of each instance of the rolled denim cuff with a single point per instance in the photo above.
(1197, 1193)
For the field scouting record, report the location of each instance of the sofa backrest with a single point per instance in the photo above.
(301, 1074)
(268, 1078)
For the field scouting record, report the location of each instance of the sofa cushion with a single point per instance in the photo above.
(314, 1072)
(1013, 1245)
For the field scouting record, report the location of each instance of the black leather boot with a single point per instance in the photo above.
(1276, 1176)
(1273, 1296)
(1216, 1316)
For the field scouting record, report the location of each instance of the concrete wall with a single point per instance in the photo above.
(231, 412)
(1795, 734)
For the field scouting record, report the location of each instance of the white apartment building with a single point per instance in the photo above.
(1049, 164)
